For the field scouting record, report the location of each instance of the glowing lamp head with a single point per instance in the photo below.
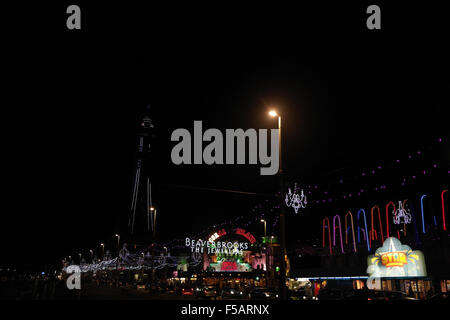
(273, 113)
(152, 208)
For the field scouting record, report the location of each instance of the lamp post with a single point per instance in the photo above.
(118, 243)
(153, 210)
(264, 221)
(103, 249)
(282, 213)
(265, 240)
(92, 255)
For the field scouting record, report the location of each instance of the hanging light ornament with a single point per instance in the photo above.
(401, 215)
(295, 200)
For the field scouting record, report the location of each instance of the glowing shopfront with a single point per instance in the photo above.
(396, 267)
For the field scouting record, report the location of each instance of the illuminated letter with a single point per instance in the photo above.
(184, 145)
(74, 280)
(264, 159)
(374, 21)
(240, 136)
(74, 20)
(215, 146)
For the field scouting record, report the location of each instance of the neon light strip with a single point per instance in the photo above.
(421, 208)
(365, 224)
(387, 217)
(373, 231)
(353, 230)
(443, 210)
(340, 232)
(338, 278)
(329, 234)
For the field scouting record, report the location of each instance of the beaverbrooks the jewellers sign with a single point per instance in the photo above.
(212, 247)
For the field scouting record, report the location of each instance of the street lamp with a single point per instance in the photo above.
(165, 248)
(103, 249)
(118, 243)
(264, 221)
(153, 210)
(273, 113)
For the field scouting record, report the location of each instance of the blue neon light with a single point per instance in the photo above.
(365, 225)
(421, 206)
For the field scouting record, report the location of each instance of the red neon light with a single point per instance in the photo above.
(353, 230)
(229, 266)
(373, 231)
(443, 210)
(221, 232)
(246, 234)
(387, 217)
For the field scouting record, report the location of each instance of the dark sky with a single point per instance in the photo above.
(72, 102)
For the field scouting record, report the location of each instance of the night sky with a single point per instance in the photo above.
(72, 103)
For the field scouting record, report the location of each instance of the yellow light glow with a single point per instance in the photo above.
(273, 113)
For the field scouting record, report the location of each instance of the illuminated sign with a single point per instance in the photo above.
(229, 266)
(217, 235)
(245, 234)
(226, 247)
(395, 259)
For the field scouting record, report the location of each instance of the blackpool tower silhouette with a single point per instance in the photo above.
(142, 211)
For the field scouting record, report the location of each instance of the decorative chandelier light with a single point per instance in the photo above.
(295, 200)
(401, 215)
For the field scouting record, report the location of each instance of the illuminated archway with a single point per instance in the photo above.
(421, 209)
(340, 232)
(365, 226)
(373, 232)
(346, 230)
(443, 210)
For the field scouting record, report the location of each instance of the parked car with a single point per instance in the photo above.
(443, 296)
(232, 293)
(210, 291)
(187, 291)
(299, 295)
(199, 291)
(141, 286)
(368, 295)
(263, 294)
(330, 294)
